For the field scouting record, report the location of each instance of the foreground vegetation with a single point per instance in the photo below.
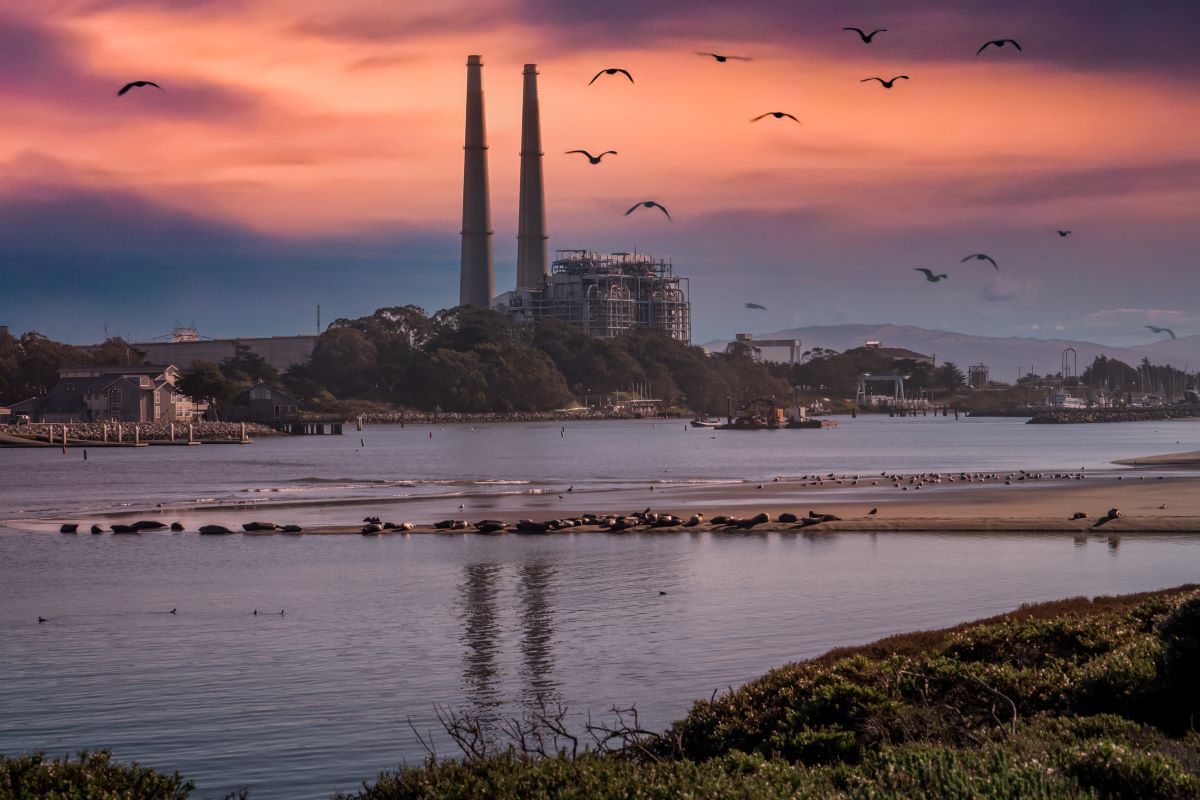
(1091, 699)
(1073, 699)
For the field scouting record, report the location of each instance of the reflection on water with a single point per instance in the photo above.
(537, 632)
(481, 637)
(380, 629)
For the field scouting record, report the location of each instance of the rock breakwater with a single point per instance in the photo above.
(1069, 416)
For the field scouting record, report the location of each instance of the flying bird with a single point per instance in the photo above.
(1162, 330)
(591, 158)
(980, 257)
(866, 37)
(998, 43)
(722, 59)
(777, 115)
(611, 71)
(929, 275)
(1064, 234)
(137, 85)
(756, 305)
(648, 204)
(885, 84)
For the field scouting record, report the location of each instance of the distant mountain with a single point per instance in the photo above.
(1003, 355)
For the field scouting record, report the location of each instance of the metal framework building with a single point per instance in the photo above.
(606, 295)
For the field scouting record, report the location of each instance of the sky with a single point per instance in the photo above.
(304, 152)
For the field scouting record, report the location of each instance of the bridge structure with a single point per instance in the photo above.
(861, 396)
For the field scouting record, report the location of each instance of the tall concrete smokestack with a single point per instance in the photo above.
(531, 226)
(475, 283)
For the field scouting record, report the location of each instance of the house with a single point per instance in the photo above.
(263, 403)
(109, 393)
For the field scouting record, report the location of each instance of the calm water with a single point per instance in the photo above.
(379, 629)
(498, 467)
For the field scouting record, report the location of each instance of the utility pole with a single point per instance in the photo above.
(318, 319)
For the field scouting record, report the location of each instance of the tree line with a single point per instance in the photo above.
(469, 359)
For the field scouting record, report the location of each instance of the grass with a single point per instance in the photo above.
(1073, 699)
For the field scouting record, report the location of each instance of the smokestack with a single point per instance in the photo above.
(475, 284)
(531, 225)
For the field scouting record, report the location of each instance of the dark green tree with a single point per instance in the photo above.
(204, 382)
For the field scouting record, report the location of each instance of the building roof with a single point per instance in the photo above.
(243, 396)
(900, 353)
(96, 370)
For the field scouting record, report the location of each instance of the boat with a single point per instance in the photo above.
(706, 422)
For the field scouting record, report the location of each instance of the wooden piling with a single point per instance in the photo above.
(104, 433)
(172, 433)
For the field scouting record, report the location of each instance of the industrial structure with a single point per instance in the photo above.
(604, 294)
(476, 283)
(531, 224)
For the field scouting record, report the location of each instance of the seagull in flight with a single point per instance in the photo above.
(591, 158)
(722, 59)
(929, 274)
(1064, 234)
(136, 85)
(981, 257)
(777, 115)
(998, 43)
(648, 204)
(756, 305)
(611, 71)
(866, 37)
(1162, 330)
(885, 84)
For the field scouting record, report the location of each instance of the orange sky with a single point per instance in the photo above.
(305, 118)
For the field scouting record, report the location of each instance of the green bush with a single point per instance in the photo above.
(1117, 771)
(93, 776)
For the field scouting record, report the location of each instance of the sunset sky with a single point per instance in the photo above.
(306, 152)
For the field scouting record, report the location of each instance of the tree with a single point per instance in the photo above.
(205, 383)
(40, 361)
(949, 377)
(115, 350)
(246, 367)
(344, 361)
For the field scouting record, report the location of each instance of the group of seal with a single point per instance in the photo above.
(177, 527)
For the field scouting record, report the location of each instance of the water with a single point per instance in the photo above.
(379, 629)
(501, 467)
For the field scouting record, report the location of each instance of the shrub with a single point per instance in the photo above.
(93, 776)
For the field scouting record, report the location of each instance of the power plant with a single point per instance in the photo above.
(604, 294)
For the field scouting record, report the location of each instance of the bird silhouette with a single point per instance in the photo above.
(885, 84)
(1064, 234)
(136, 85)
(591, 158)
(756, 305)
(866, 37)
(611, 71)
(777, 115)
(722, 59)
(929, 275)
(872, 512)
(998, 43)
(1162, 330)
(648, 204)
(1109, 517)
(41, 620)
(172, 611)
(1077, 515)
(980, 257)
